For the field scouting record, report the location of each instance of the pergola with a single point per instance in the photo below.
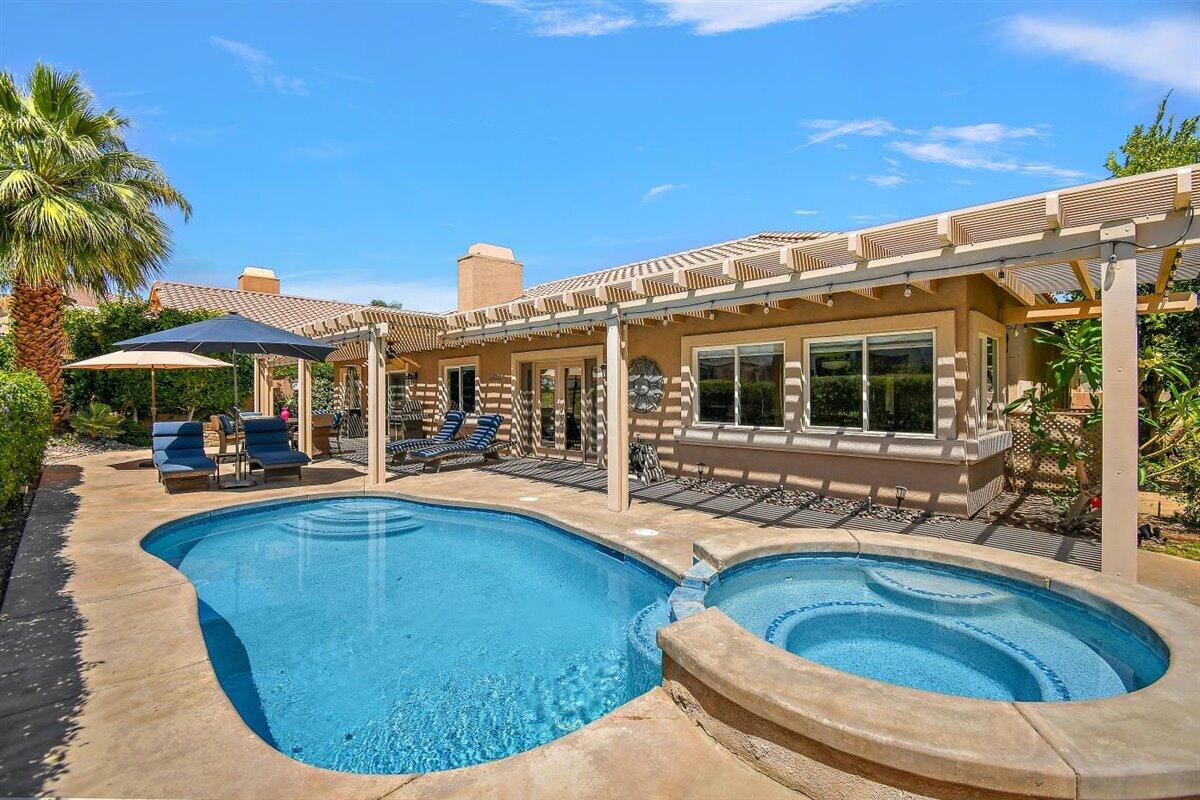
(1102, 239)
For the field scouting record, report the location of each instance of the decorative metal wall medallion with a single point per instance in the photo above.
(645, 385)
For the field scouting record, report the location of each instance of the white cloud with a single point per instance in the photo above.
(660, 190)
(888, 181)
(970, 156)
(804, 212)
(986, 132)
(708, 17)
(1159, 51)
(829, 129)
(261, 67)
(560, 18)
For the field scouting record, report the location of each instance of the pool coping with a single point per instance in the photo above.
(1137, 745)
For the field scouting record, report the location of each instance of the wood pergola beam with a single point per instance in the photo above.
(1085, 279)
(1174, 303)
(1165, 267)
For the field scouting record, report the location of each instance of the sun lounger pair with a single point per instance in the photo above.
(481, 442)
(451, 423)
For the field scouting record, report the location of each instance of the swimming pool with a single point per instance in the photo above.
(377, 635)
(939, 628)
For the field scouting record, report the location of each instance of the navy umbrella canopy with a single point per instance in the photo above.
(234, 334)
(231, 333)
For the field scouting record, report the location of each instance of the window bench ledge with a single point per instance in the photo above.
(896, 446)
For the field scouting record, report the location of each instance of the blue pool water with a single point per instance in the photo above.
(379, 636)
(940, 628)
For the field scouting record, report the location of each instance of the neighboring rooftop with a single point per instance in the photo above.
(280, 310)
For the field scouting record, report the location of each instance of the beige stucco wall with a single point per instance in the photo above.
(951, 471)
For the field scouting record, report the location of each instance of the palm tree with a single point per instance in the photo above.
(77, 209)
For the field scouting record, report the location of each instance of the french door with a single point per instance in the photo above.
(563, 409)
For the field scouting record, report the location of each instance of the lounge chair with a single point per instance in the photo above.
(269, 448)
(179, 454)
(451, 423)
(481, 442)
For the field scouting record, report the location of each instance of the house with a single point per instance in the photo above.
(867, 363)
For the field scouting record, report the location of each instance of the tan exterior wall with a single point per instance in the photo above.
(954, 470)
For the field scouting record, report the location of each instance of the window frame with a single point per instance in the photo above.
(737, 385)
(861, 338)
(996, 423)
(458, 369)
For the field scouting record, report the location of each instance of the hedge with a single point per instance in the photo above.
(25, 421)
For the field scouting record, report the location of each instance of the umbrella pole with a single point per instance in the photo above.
(239, 476)
(153, 402)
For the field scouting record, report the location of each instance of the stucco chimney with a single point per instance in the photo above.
(258, 279)
(488, 275)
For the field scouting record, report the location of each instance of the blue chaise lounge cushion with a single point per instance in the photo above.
(268, 444)
(451, 422)
(179, 448)
(480, 439)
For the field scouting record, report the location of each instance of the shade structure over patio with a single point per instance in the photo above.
(121, 359)
(1103, 240)
(231, 334)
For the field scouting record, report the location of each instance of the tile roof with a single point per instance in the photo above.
(289, 311)
(280, 310)
(662, 265)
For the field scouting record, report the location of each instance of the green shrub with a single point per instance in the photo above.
(25, 422)
(135, 434)
(98, 421)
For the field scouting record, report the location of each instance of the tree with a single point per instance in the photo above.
(77, 209)
(1159, 147)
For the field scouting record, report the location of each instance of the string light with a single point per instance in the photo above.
(907, 287)
(829, 296)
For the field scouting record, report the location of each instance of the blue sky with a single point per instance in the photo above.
(358, 149)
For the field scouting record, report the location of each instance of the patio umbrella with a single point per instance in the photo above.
(121, 359)
(232, 334)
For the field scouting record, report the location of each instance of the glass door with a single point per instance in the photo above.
(562, 415)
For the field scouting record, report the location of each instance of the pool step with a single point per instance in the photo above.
(317, 530)
(933, 592)
(643, 630)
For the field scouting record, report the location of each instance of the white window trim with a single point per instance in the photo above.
(737, 385)
(806, 415)
(984, 425)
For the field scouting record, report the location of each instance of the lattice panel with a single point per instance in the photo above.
(1029, 471)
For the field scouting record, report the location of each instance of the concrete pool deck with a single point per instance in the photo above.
(108, 690)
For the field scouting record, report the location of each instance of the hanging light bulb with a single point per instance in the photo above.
(557, 333)
(766, 307)
(907, 290)
(664, 321)
(829, 297)
(712, 314)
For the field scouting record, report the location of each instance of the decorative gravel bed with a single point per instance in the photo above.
(816, 502)
(66, 449)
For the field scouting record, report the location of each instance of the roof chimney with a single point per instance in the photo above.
(258, 279)
(488, 275)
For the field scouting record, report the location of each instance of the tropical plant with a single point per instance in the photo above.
(77, 209)
(1159, 146)
(98, 421)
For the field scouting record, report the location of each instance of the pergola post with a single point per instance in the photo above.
(263, 401)
(377, 405)
(304, 410)
(616, 422)
(1118, 328)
